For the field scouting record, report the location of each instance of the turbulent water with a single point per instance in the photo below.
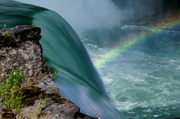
(142, 82)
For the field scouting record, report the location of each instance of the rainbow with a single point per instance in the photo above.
(135, 40)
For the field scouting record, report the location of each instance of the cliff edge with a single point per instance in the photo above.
(20, 48)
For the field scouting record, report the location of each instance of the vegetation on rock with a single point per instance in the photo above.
(10, 95)
(12, 36)
(31, 91)
(41, 106)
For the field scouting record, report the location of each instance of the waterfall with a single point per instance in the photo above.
(134, 46)
(78, 80)
(83, 15)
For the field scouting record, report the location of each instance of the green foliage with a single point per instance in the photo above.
(4, 26)
(6, 33)
(8, 36)
(55, 73)
(19, 37)
(52, 71)
(32, 33)
(42, 106)
(10, 95)
(33, 24)
(17, 110)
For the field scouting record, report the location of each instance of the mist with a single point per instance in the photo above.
(83, 15)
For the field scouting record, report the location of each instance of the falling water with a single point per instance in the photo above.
(140, 58)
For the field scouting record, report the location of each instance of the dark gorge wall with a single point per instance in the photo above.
(149, 4)
(148, 12)
(171, 5)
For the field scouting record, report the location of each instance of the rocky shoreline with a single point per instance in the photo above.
(20, 47)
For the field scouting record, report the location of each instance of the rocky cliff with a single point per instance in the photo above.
(19, 47)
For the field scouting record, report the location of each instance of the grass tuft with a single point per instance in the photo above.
(10, 95)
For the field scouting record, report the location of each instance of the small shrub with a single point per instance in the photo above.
(32, 33)
(52, 71)
(55, 74)
(4, 26)
(33, 24)
(6, 34)
(42, 106)
(10, 95)
(18, 39)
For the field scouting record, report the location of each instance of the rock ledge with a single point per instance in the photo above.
(19, 47)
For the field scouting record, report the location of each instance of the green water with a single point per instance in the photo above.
(62, 50)
(143, 82)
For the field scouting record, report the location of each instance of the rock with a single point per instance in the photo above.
(6, 113)
(25, 53)
(57, 106)
(12, 36)
(42, 98)
(80, 115)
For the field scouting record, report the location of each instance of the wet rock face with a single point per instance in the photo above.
(42, 98)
